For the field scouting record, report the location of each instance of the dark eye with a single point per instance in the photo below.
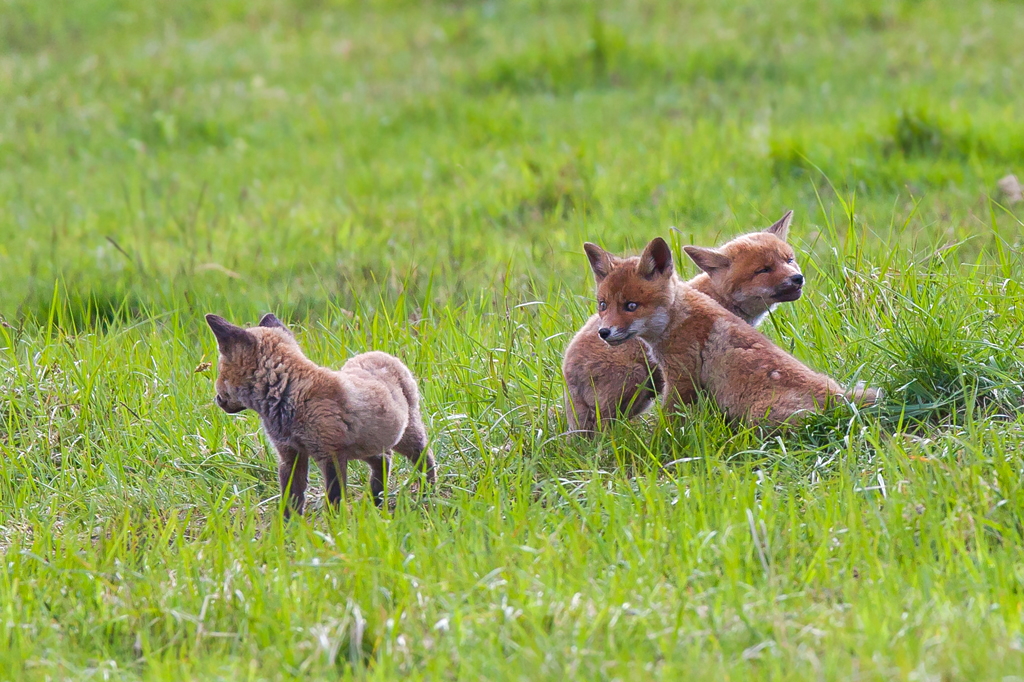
(601, 305)
(766, 269)
(630, 307)
(791, 259)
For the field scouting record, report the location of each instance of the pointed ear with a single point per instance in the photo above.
(781, 227)
(228, 335)
(656, 260)
(600, 260)
(707, 259)
(270, 320)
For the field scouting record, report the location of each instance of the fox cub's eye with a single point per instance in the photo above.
(601, 305)
(791, 259)
(630, 307)
(764, 270)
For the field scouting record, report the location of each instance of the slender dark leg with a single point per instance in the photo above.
(335, 471)
(293, 475)
(379, 468)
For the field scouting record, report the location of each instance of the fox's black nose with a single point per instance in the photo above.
(604, 332)
(797, 279)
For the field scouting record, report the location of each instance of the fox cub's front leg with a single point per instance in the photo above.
(293, 475)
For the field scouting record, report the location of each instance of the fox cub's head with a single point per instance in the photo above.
(633, 294)
(241, 354)
(755, 271)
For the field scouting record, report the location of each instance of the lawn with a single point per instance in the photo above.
(419, 177)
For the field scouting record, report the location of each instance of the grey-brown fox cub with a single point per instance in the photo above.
(363, 411)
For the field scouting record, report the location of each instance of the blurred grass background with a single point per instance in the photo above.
(149, 148)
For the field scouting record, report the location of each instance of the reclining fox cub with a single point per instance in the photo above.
(363, 411)
(698, 344)
(747, 276)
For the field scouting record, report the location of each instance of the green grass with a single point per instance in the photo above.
(418, 178)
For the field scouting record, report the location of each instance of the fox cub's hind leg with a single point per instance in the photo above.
(335, 471)
(414, 446)
(380, 466)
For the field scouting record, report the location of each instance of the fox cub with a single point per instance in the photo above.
(700, 345)
(363, 411)
(747, 276)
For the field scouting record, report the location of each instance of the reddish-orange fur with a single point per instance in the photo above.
(700, 345)
(604, 381)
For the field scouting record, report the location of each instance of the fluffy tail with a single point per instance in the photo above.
(864, 395)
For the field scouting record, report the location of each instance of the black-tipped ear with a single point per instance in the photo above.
(600, 260)
(228, 335)
(781, 227)
(707, 259)
(656, 260)
(270, 320)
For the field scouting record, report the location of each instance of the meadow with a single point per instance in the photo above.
(418, 177)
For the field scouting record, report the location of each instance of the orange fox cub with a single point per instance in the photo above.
(747, 276)
(700, 345)
(363, 411)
